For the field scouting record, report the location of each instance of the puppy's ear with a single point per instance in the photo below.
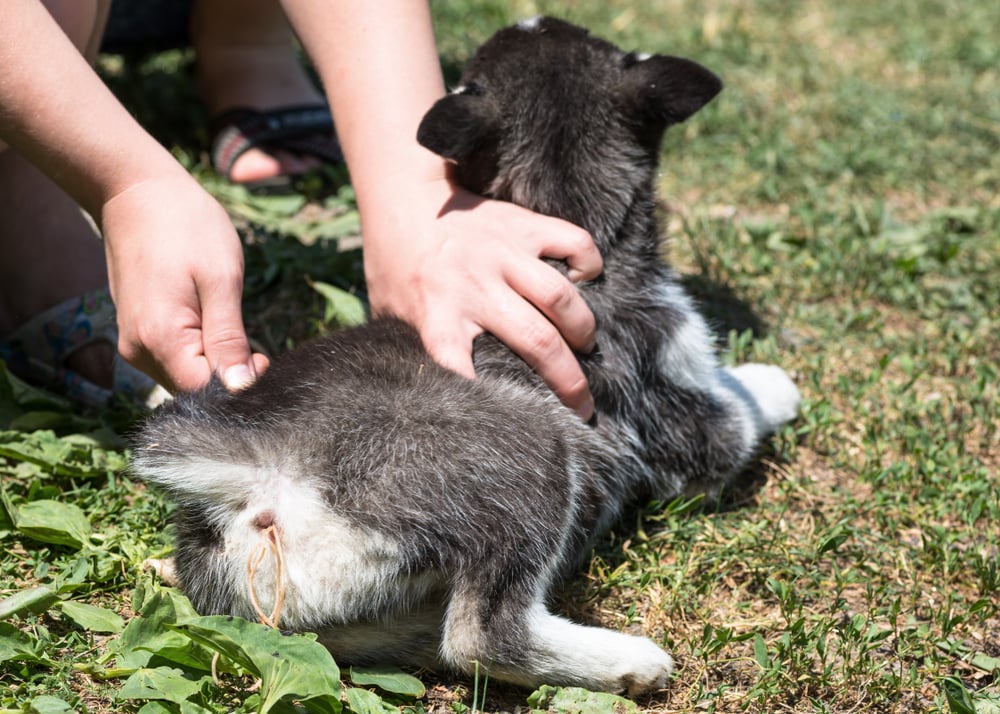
(665, 90)
(459, 124)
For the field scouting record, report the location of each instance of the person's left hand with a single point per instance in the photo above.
(175, 267)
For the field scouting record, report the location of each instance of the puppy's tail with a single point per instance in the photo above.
(194, 448)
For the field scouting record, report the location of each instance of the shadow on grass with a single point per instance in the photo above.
(281, 309)
(159, 89)
(723, 308)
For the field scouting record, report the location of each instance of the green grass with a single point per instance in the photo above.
(836, 210)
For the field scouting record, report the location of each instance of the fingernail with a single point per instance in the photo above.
(237, 377)
(586, 410)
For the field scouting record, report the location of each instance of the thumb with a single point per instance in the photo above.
(225, 341)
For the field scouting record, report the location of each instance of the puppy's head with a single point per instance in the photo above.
(543, 101)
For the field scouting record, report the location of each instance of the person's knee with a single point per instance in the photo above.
(82, 20)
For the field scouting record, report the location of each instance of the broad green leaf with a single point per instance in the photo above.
(172, 685)
(54, 522)
(73, 576)
(984, 662)
(277, 205)
(261, 208)
(980, 660)
(760, 652)
(8, 405)
(48, 705)
(40, 447)
(574, 700)
(217, 639)
(833, 541)
(17, 645)
(158, 707)
(33, 600)
(103, 438)
(389, 679)
(959, 699)
(295, 666)
(74, 455)
(8, 514)
(91, 617)
(191, 706)
(35, 420)
(362, 701)
(339, 226)
(148, 634)
(342, 307)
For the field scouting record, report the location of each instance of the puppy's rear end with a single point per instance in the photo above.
(246, 496)
(291, 463)
(420, 516)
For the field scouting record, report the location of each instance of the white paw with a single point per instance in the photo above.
(774, 394)
(644, 668)
(164, 569)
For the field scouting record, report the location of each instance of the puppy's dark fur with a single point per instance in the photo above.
(424, 516)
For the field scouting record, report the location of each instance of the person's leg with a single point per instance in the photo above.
(51, 251)
(246, 58)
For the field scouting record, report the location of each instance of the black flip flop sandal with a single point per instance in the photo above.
(306, 130)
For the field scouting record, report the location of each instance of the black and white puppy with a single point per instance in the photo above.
(424, 516)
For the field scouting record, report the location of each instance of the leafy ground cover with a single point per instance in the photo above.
(836, 210)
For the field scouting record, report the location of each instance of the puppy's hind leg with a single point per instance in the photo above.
(408, 638)
(768, 393)
(519, 641)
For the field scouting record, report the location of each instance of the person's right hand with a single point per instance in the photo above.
(452, 264)
(175, 267)
(456, 265)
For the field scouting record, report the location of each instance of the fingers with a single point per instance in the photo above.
(182, 356)
(539, 343)
(564, 241)
(260, 363)
(545, 236)
(223, 337)
(172, 357)
(552, 319)
(450, 348)
(177, 280)
(181, 342)
(538, 314)
(555, 297)
(532, 337)
(475, 265)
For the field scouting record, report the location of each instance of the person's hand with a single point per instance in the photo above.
(448, 262)
(454, 265)
(175, 266)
